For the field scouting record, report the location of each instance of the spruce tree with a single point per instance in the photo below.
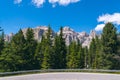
(47, 50)
(73, 61)
(1, 40)
(56, 53)
(86, 60)
(92, 53)
(12, 57)
(18, 44)
(95, 56)
(80, 55)
(98, 55)
(59, 52)
(31, 44)
(38, 56)
(63, 50)
(109, 46)
(117, 58)
(118, 43)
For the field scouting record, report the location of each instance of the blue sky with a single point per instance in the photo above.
(80, 15)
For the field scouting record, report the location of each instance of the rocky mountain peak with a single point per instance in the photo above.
(92, 34)
(67, 28)
(38, 32)
(41, 27)
(68, 34)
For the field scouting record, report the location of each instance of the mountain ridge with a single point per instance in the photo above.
(68, 33)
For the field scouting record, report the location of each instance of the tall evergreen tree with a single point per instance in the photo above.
(56, 53)
(38, 56)
(1, 40)
(47, 53)
(109, 46)
(73, 61)
(118, 43)
(86, 60)
(31, 44)
(18, 42)
(75, 56)
(12, 57)
(63, 50)
(59, 52)
(95, 56)
(117, 58)
(81, 52)
(92, 53)
(98, 55)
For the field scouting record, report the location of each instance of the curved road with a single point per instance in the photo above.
(65, 76)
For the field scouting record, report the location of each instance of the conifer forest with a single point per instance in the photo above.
(25, 53)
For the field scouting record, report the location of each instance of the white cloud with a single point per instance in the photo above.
(17, 1)
(53, 1)
(114, 18)
(62, 2)
(99, 27)
(38, 3)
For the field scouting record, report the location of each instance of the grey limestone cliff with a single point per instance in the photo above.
(68, 34)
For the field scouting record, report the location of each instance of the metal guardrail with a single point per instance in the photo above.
(58, 70)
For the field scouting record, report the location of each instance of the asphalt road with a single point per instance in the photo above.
(64, 76)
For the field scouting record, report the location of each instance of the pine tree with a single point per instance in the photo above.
(38, 56)
(1, 40)
(109, 46)
(59, 52)
(117, 58)
(95, 56)
(46, 64)
(86, 62)
(12, 57)
(92, 53)
(18, 43)
(98, 56)
(73, 61)
(56, 53)
(63, 50)
(31, 44)
(47, 50)
(6, 61)
(118, 43)
(80, 55)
